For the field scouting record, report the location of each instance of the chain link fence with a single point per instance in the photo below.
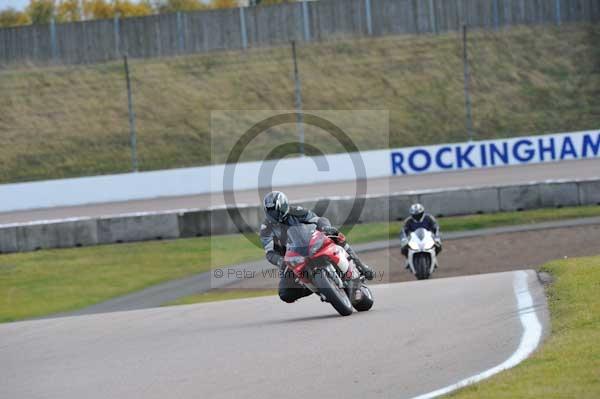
(74, 120)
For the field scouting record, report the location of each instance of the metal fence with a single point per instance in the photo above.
(202, 31)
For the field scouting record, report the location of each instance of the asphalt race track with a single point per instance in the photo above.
(418, 338)
(469, 178)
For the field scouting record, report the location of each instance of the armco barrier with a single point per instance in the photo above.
(399, 204)
(559, 194)
(75, 233)
(8, 239)
(247, 220)
(154, 226)
(33, 236)
(195, 222)
(460, 202)
(515, 198)
(589, 192)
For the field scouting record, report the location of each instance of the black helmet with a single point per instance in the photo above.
(416, 211)
(276, 206)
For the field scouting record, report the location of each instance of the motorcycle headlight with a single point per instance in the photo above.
(428, 244)
(414, 246)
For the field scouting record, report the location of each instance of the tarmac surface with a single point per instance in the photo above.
(582, 169)
(419, 337)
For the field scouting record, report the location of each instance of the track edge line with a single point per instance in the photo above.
(530, 339)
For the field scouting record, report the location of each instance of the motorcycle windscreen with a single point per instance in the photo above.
(424, 239)
(298, 238)
(420, 233)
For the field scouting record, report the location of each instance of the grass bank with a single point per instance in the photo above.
(568, 363)
(72, 121)
(50, 281)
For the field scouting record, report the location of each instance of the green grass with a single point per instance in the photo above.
(568, 363)
(49, 281)
(72, 121)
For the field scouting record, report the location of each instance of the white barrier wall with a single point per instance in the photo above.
(306, 170)
(203, 222)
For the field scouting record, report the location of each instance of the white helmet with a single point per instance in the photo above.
(416, 211)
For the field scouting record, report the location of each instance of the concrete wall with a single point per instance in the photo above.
(194, 223)
(203, 31)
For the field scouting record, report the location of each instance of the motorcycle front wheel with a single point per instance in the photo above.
(334, 294)
(422, 262)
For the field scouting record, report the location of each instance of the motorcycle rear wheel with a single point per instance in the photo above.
(334, 294)
(366, 302)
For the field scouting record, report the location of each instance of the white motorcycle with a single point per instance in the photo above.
(422, 258)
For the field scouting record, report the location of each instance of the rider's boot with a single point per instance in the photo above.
(363, 268)
(404, 251)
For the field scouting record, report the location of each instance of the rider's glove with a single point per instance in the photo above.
(330, 231)
(403, 240)
(280, 263)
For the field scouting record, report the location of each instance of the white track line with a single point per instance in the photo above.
(532, 335)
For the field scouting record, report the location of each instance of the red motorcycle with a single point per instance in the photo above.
(321, 264)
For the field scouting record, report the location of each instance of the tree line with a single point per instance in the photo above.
(44, 11)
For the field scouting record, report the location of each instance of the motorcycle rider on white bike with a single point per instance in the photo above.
(419, 219)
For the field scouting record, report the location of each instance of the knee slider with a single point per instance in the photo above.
(285, 297)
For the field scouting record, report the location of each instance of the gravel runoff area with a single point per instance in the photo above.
(478, 255)
(499, 253)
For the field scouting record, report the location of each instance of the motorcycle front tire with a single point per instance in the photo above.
(422, 263)
(335, 295)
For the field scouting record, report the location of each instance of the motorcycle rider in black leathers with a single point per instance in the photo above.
(273, 236)
(419, 219)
